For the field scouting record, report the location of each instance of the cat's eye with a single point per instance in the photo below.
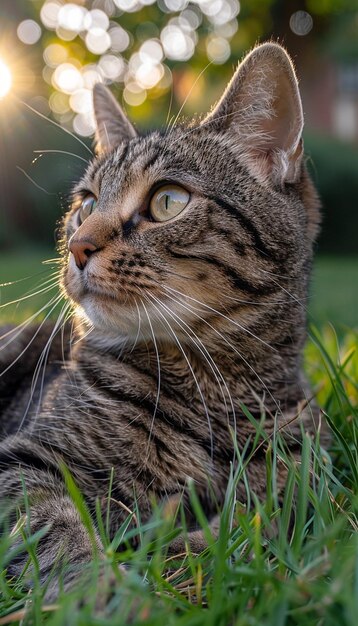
(167, 202)
(87, 206)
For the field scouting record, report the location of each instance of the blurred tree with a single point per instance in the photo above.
(160, 57)
(143, 48)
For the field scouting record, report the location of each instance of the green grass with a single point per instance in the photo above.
(301, 574)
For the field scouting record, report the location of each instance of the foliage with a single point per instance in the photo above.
(143, 48)
(283, 563)
(334, 168)
(332, 293)
(170, 82)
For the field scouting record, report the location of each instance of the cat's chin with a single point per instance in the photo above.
(108, 316)
(112, 325)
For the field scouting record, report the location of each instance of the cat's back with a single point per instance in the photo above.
(31, 359)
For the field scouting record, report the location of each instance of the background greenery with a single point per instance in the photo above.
(305, 573)
(28, 213)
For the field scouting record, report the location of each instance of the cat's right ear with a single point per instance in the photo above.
(113, 126)
(261, 112)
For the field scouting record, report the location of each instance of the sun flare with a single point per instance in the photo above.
(5, 79)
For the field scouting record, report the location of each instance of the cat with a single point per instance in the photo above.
(186, 257)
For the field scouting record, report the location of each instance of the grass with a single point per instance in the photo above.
(304, 573)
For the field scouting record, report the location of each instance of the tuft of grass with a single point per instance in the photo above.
(288, 561)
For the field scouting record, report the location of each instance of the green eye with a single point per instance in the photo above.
(168, 202)
(88, 205)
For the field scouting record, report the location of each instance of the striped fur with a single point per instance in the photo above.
(189, 319)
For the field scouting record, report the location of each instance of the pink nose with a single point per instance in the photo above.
(81, 250)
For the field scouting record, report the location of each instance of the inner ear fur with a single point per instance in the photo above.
(112, 125)
(262, 109)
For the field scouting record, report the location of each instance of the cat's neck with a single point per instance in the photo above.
(268, 379)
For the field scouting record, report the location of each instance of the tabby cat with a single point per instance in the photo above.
(186, 256)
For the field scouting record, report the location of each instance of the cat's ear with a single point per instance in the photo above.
(262, 109)
(113, 126)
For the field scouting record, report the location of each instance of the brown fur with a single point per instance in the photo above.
(190, 318)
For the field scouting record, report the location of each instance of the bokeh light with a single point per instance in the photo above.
(93, 43)
(129, 5)
(67, 78)
(98, 40)
(59, 103)
(112, 67)
(55, 54)
(178, 44)
(301, 23)
(5, 79)
(134, 94)
(71, 17)
(120, 39)
(218, 49)
(29, 32)
(49, 13)
(81, 101)
(91, 75)
(84, 124)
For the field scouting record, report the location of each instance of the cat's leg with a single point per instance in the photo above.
(195, 539)
(66, 547)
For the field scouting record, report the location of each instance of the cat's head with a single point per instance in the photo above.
(209, 225)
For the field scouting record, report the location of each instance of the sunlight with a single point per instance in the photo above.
(5, 79)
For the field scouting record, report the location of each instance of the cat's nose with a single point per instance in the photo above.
(81, 251)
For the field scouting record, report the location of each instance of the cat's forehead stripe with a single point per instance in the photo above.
(116, 158)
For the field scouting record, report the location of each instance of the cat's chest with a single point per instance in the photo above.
(148, 439)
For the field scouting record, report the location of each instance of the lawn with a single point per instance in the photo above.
(304, 573)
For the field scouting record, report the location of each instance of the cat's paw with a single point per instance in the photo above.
(109, 595)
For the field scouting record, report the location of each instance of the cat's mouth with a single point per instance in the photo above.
(105, 295)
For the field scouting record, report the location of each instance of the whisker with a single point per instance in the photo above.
(290, 294)
(88, 332)
(207, 306)
(170, 104)
(188, 96)
(205, 353)
(239, 354)
(55, 260)
(32, 294)
(250, 302)
(158, 373)
(49, 193)
(17, 330)
(54, 301)
(176, 339)
(21, 280)
(47, 119)
(76, 156)
(41, 363)
(138, 331)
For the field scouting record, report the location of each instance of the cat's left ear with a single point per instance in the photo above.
(113, 126)
(261, 109)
